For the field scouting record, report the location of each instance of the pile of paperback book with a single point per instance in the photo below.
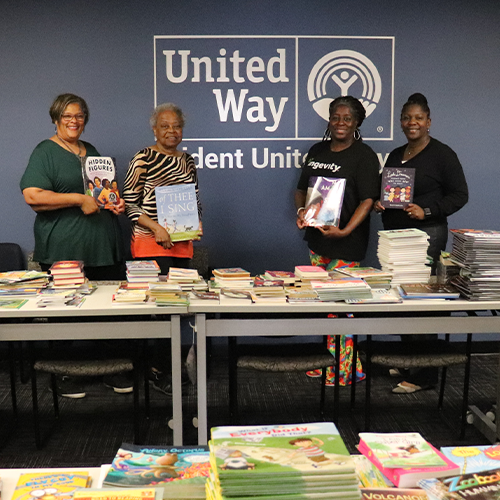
(478, 255)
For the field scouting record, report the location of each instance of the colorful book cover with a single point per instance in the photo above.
(66, 267)
(99, 180)
(135, 466)
(474, 458)
(408, 477)
(324, 201)
(119, 494)
(393, 494)
(397, 187)
(476, 486)
(177, 211)
(290, 450)
(60, 485)
(405, 449)
(231, 272)
(12, 304)
(368, 475)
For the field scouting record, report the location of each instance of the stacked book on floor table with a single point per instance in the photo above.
(232, 278)
(477, 253)
(403, 253)
(282, 462)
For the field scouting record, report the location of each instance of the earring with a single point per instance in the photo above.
(359, 135)
(327, 135)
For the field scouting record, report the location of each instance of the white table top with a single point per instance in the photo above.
(98, 303)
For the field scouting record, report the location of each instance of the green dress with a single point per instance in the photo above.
(67, 233)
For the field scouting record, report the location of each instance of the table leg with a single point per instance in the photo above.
(201, 344)
(175, 323)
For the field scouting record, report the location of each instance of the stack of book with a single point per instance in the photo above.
(142, 271)
(280, 461)
(231, 277)
(376, 278)
(287, 277)
(180, 472)
(268, 291)
(478, 255)
(20, 284)
(127, 295)
(187, 279)
(168, 296)
(301, 294)
(67, 273)
(405, 458)
(403, 252)
(342, 289)
(308, 273)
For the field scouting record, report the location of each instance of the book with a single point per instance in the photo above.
(53, 484)
(118, 494)
(368, 475)
(407, 477)
(231, 272)
(99, 180)
(287, 277)
(393, 494)
(63, 267)
(310, 272)
(324, 201)
(284, 450)
(405, 449)
(476, 486)
(149, 267)
(428, 291)
(179, 470)
(397, 187)
(12, 303)
(177, 211)
(474, 458)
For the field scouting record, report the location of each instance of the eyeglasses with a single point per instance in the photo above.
(67, 118)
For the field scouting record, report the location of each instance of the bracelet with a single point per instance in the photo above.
(299, 209)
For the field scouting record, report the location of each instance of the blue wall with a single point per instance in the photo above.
(104, 51)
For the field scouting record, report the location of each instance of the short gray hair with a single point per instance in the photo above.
(161, 108)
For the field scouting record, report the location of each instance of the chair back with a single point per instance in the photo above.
(11, 257)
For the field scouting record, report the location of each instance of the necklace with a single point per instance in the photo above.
(68, 147)
(417, 149)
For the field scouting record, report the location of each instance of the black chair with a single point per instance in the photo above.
(275, 357)
(12, 259)
(89, 368)
(408, 355)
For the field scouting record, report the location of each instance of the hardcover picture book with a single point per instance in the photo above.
(99, 180)
(324, 201)
(286, 450)
(176, 469)
(54, 484)
(477, 486)
(177, 210)
(397, 187)
(474, 458)
(407, 477)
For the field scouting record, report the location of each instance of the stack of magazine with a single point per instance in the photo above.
(280, 461)
(376, 278)
(342, 289)
(403, 252)
(478, 255)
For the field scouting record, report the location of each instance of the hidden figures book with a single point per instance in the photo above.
(99, 180)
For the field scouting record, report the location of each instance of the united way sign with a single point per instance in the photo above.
(242, 88)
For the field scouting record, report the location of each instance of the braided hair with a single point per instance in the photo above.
(357, 109)
(419, 100)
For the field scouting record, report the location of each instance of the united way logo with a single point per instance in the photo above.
(336, 73)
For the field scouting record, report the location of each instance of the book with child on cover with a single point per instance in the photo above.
(177, 210)
(99, 180)
(324, 201)
(285, 450)
(397, 187)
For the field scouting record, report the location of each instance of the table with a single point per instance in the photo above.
(240, 317)
(97, 306)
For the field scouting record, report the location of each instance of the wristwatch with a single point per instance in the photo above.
(427, 212)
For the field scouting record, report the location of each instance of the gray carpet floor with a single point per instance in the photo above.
(90, 430)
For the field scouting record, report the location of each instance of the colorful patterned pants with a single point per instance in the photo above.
(346, 342)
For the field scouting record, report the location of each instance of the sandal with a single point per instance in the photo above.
(406, 389)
